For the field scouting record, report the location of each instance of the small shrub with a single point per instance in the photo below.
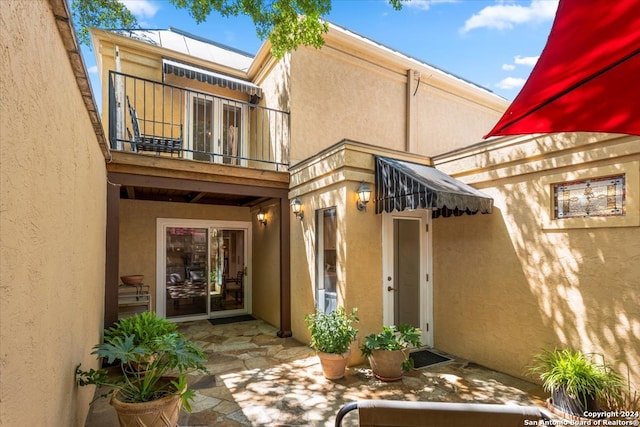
(333, 332)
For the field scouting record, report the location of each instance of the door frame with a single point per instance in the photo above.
(161, 254)
(426, 283)
(216, 115)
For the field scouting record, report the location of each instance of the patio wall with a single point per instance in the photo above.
(52, 226)
(265, 291)
(528, 281)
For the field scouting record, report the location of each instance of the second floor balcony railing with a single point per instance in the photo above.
(156, 118)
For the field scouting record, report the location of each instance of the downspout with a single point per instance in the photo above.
(119, 100)
(411, 117)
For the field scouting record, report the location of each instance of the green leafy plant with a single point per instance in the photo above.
(577, 373)
(145, 327)
(333, 332)
(393, 338)
(168, 359)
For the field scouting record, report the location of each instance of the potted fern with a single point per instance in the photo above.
(575, 380)
(331, 337)
(388, 351)
(150, 393)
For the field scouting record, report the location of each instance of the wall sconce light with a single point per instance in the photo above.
(364, 194)
(296, 208)
(262, 217)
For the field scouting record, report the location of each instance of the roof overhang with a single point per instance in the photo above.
(202, 75)
(404, 185)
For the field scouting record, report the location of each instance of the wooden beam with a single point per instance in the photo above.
(197, 197)
(112, 255)
(158, 166)
(285, 269)
(196, 185)
(131, 192)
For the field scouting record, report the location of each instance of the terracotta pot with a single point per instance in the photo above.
(387, 365)
(333, 365)
(132, 279)
(163, 412)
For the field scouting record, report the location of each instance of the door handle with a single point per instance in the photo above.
(390, 288)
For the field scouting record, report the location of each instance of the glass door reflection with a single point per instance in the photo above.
(227, 260)
(186, 269)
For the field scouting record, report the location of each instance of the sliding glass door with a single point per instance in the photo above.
(202, 269)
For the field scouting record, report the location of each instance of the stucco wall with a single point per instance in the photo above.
(335, 97)
(52, 225)
(529, 282)
(332, 180)
(351, 90)
(265, 291)
(446, 121)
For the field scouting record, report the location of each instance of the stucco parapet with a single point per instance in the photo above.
(513, 156)
(61, 14)
(343, 161)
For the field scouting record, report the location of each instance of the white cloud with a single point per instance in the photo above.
(424, 4)
(505, 16)
(141, 8)
(93, 69)
(508, 67)
(526, 60)
(511, 83)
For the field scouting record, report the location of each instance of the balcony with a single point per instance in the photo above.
(159, 119)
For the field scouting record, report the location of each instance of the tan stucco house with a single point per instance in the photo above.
(202, 153)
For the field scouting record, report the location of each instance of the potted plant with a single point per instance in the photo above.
(150, 394)
(331, 337)
(388, 351)
(575, 380)
(145, 327)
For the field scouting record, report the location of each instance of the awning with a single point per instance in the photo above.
(404, 185)
(586, 79)
(202, 75)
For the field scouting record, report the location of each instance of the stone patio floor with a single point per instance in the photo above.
(258, 379)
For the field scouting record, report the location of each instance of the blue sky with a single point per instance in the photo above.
(493, 43)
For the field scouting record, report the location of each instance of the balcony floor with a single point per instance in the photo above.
(258, 379)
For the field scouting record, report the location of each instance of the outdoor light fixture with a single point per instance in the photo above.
(364, 194)
(296, 208)
(262, 217)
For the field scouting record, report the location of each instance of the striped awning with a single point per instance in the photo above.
(211, 77)
(404, 185)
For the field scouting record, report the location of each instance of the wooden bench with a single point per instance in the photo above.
(431, 414)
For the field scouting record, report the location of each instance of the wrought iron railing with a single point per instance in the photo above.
(156, 118)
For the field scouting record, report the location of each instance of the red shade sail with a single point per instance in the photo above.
(587, 78)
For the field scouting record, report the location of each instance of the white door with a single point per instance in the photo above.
(406, 284)
(216, 130)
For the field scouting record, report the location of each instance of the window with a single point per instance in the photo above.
(589, 198)
(326, 293)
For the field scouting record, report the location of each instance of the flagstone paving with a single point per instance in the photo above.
(258, 379)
